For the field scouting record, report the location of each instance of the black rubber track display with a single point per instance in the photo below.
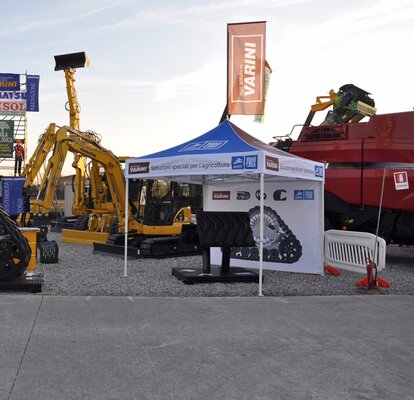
(280, 245)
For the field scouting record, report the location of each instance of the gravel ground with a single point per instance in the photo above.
(81, 273)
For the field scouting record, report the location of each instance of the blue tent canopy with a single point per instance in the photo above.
(224, 150)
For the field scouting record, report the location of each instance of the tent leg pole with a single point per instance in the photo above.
(261, 233)
(126, 227)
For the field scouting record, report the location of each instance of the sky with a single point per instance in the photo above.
(157, 74)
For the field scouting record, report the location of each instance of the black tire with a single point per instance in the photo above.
(48, 252)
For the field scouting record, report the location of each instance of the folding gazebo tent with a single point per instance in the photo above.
(228, 158)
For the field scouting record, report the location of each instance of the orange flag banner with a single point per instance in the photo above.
(246, 68)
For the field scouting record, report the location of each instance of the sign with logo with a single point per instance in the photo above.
(9, 82)
(246, 68)
(272, 163)
(319, 171)
(6, 138)
(139, 168)
(292, 230)
(205, 145)
(32, 93)
(299, 194)
(244, 162)
(12, 199)
(401, 180)
(222, 195)
(13, 101)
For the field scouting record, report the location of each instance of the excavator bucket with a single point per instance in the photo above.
(72, 60)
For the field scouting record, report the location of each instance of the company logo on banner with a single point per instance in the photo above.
(139, 168)
(205, 145)
(292, 234)
(9, 82)
(6, 138)
(12, 102)
(319, 171)
(246, 68)
(244, 162)
(32, 91)
(17, 102)
(224, 195)
(272, 163)
(300, 194)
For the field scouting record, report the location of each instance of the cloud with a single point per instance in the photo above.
(189, 83)
(35, 22)
(173, 15)
(379, 15)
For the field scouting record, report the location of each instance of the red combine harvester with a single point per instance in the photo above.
(357, 154)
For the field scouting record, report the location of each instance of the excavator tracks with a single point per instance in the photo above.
(167, 246)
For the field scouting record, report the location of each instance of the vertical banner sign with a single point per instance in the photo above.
(6, 138)
(246, 68)
(32, 93)
(9, 82)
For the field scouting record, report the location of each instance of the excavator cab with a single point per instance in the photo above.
(159, 202)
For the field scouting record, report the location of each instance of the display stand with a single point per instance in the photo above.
(224, 230)
(28, 282)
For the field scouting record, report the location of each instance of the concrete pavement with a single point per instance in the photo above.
(351, 347)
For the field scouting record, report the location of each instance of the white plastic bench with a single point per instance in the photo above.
(350, 250)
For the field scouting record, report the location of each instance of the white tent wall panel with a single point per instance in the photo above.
(297, 203)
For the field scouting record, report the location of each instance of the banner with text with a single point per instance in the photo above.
(246, 68)
(6, 138)
(15, 101)
(293, 224)
(9, 82)
(32, 93)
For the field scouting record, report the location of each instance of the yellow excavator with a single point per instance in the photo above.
(159, 218)
(84, 202)
(102, 212)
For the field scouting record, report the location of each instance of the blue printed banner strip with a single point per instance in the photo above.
(32, 93)
(9, 82)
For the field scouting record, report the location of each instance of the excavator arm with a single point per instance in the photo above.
(43, 148)
(111, 166)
